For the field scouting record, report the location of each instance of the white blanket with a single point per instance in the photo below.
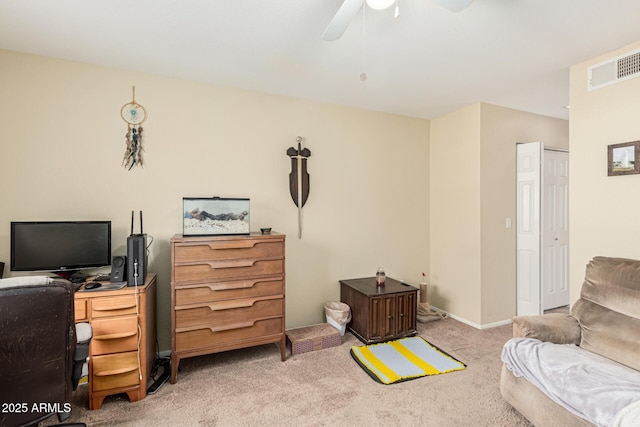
(629, 416)
(24, 281)
(589, 385)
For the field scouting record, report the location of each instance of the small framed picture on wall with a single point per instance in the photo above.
(624, 158)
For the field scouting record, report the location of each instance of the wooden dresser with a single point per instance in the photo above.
(227, 292)
(122, 350)
(380, 313)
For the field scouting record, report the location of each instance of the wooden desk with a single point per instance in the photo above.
(380, 313)
(120, 320)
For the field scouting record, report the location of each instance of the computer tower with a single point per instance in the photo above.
(136, 259)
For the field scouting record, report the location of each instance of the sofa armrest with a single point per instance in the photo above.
(558, 328)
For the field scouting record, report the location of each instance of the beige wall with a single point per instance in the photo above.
(63, 142)
(455, 213)
(605, 216)
(472, 252)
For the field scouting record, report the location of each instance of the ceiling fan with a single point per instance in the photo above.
(349, 8)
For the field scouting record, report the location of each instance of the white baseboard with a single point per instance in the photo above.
(496, 324)
(473, 324)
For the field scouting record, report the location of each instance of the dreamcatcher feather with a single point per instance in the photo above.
(134, 114)
(133, 153)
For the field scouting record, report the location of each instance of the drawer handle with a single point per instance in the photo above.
(234, 245)
(115, 336)
(226, 286)
(227, 327)
(231, 304)
(217, 287)
(218, 329)
(236, 326)
(124, 307)
(242, 285)
(233, 264)
(116, 371)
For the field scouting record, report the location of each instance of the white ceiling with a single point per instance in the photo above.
(514, 53)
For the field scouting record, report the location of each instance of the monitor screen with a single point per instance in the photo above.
(60, 245)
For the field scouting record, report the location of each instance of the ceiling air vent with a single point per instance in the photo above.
(618, 69)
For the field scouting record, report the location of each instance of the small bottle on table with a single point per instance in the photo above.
(380, 276)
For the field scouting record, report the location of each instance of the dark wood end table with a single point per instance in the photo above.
(380, 313)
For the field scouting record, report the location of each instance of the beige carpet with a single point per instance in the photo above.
(252, 387)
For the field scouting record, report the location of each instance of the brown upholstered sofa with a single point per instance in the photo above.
(605, 320)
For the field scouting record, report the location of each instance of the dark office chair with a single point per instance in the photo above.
(41, 354)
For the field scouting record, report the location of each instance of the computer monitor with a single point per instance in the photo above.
(60, 246)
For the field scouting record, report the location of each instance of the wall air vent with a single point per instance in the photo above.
(615, 70)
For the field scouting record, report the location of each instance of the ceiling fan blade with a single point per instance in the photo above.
(341, 20)
(454, 5)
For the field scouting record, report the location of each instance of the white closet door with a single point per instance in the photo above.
(555, 230)
(528, 228)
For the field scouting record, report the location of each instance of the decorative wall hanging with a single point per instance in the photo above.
(299, 178)
(624, 158)
(215, 216)
(134, 114)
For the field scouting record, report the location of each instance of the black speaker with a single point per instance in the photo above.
(119, 268)
(136, 259)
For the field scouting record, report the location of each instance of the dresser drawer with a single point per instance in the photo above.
(80, 310)
(224, 314)
(227, 249)
(194, 338)
(113, 306)
(114, 335)
(226, 269)
(115, 370)
(193, 294)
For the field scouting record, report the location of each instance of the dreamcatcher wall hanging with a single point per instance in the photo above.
(134, 114)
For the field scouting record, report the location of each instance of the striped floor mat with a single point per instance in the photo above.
(404, 359)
